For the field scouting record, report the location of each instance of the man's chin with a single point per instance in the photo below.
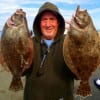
(48, 37)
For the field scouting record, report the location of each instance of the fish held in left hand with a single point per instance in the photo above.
(17, 47)
(81, 49)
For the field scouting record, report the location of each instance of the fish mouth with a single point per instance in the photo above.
(78, 22)
(12, 24)
(75, 22)
(81, 23)
(16, 19)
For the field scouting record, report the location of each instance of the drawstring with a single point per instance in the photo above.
(43, 56)
(43, 60)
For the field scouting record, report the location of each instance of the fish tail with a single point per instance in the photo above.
(16, 84)
(84, 89)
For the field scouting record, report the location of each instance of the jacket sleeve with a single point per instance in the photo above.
(27, 72)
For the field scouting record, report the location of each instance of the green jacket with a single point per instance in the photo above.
(53, 80)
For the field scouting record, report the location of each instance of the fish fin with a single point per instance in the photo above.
(16, 84)
(84, 89)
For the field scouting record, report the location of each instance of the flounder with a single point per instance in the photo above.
(81, 49)
(17, 47)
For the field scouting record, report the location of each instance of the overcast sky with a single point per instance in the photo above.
(67, 9)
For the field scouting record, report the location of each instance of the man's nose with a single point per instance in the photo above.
(48, 23)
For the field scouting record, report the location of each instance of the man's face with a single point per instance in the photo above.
(49, 25)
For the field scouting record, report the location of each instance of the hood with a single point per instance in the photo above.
(52, 8)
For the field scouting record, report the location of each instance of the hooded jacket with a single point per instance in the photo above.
(53, 80)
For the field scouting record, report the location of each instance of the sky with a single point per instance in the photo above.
(66, 7)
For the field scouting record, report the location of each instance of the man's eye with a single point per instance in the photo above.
(43, 19)
(52, 19)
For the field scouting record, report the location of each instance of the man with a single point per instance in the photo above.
(49, 77)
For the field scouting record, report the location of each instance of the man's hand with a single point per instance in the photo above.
(10, 21)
